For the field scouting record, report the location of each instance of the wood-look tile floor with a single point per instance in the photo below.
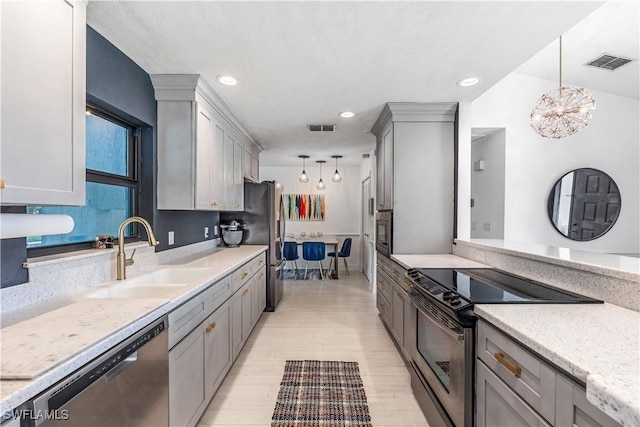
(318, 320)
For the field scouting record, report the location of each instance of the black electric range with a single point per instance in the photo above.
(456, 290)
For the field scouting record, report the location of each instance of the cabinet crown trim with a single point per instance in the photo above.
(415, 112)
(184, 87)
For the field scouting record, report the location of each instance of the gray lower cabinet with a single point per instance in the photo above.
(187, 395)
(498, 405)
(393, 302)
(236, 323)
(517, 387)
(573, 408)
(217, 356)
(397, 314)
(206, 335)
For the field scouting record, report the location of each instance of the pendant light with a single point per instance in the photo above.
(336, 175)
(562, 112)
(303, 176)
(321, 185)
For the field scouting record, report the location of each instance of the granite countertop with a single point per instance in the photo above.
(123, 317)
(435, 261)
(596, 343)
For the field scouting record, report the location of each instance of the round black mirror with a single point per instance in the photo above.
(584, 204)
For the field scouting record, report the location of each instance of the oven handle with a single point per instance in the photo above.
(451, 332)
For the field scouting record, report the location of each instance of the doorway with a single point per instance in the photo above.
(366, 232)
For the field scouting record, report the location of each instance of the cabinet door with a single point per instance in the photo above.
(187, 387)
(409, 329)
(217, 357)
(247, 312)
(397, 315)
(498, 405)
(255, 167)
(236, 323)
(380, 173)
(229, 147)
(238, 180)
(388, 167)
(246, 162)
(573, 408)
(205, 134)
(262, 289)
(216, 173)
(43, 98)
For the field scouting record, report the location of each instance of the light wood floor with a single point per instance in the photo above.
(318, 320)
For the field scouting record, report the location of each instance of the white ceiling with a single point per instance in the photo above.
(614, 28)
(304, 62)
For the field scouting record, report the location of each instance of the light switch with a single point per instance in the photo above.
(170, 238)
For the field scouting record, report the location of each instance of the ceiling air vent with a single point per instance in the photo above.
(608, 62)
(322, 128)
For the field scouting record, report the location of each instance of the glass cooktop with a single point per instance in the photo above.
(489, 286)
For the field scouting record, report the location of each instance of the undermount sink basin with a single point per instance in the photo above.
(155, 284)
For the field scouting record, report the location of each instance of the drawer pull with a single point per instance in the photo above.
(381, 306)
(245, 274)
(211, 327)
(246, 291)
(515, 370)
(261, 274)
(260, 262)
(400, 295)
(1, 184)
(236, 205)
(214, 203)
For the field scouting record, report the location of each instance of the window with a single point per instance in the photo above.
(112, 186)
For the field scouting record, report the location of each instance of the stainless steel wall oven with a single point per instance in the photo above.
(384, 232)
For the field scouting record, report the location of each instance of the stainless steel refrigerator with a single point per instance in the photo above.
(264, 221)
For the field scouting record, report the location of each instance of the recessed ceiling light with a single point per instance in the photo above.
(346, 114)
(468, 81)
(227, 80)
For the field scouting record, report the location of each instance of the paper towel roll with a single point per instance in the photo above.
(23, 225)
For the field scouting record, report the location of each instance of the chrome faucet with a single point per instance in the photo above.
(123, 261)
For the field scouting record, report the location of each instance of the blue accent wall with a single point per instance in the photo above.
(116, 83)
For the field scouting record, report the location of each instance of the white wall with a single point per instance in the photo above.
(533, 164)
(487, 187)
(342, 202)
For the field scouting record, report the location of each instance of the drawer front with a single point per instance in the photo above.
(246, 271)
(384, 263)
(383, 283)
(185, 318)
(384, 308)
(527, 375)
(397, 273)
(497, 404)
(219, 293)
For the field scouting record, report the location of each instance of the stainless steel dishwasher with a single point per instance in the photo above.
(126, 386)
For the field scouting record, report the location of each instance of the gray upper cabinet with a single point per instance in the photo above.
(415, 173)
(251, 162)
(200, 147)
(43, 102)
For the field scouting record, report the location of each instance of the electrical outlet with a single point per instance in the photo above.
(206, 232)
(473, 226)
(215, 230)
(486, 226)
(170, 239)
(480, 255)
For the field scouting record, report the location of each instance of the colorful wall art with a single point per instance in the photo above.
(304, 207)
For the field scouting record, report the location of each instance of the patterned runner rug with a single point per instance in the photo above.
(317, 393)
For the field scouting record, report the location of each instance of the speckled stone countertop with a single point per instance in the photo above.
(435, 261)
(126, 318)
(596, 343)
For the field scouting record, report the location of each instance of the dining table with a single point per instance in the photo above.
(327, 241)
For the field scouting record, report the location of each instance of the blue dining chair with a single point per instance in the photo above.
(313, 251)
(344, 253)
(290, 253)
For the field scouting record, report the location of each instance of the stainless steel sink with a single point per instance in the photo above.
(156, 284)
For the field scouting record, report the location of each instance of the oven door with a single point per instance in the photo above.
(383, 233)
(443, 359)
